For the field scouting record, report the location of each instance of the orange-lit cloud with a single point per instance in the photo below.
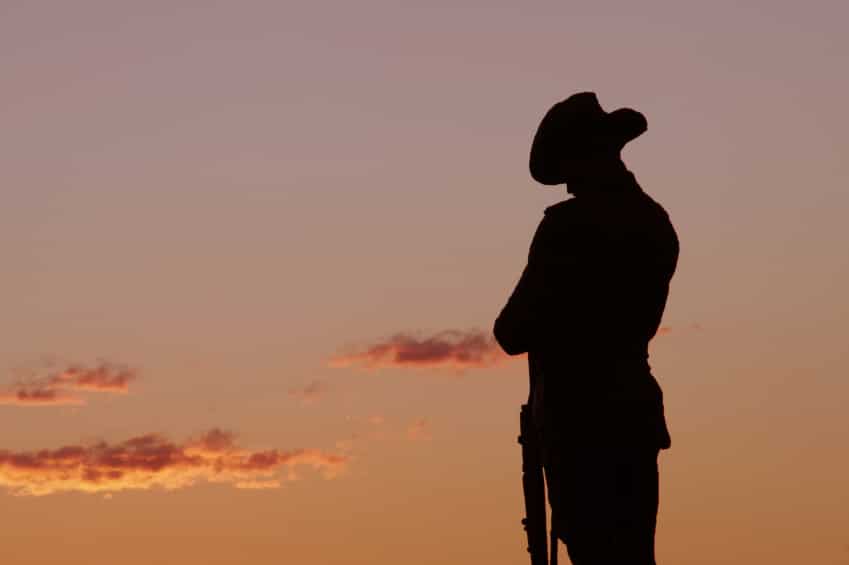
(62, 387)
(152, 461)
(451, 349)
(102, 378)
(310, 392)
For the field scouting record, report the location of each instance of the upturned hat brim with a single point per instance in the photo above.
(578, 127)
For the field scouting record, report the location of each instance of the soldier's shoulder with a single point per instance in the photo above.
(564, 208)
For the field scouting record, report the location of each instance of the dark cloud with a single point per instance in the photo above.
(102, 378)
(62, 387)
(450, 349)
(21, 396)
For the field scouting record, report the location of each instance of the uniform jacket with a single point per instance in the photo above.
(588, 302)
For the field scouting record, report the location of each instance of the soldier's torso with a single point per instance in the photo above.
(596, 383)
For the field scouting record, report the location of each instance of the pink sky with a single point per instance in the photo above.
(224, 197)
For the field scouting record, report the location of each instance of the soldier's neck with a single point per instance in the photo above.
(607, 179)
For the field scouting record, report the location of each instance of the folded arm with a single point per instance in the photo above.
(521, 323)
(516, 324)
(549, 302)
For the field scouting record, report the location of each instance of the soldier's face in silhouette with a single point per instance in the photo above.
(582, 169)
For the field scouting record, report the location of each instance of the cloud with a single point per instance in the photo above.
(38, 397)
(450, 349)
(152, 461)
(102, 378)
(309, 393)
(62, 387)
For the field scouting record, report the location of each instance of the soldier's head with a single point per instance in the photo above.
(578, 143)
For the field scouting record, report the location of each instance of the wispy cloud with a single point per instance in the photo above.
(63, 387)
(38, 397)
(152, 461)
(310, 392)
(102, 378)
(451, 349)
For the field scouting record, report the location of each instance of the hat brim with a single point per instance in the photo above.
(626, 124)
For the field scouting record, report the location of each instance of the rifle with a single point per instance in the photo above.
(534, 488)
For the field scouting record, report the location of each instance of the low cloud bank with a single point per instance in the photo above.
(152, 461)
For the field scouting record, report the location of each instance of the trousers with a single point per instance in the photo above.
(604, 502)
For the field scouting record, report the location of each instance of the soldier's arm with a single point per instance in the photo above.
(547, 303)
(514, 326)
(521, 325)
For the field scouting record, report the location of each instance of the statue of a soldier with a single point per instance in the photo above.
(585, 308)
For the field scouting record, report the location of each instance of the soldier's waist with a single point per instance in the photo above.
(599, 357)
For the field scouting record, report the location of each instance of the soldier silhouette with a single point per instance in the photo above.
(588, 302)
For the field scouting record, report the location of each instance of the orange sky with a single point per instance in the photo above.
(252, 252)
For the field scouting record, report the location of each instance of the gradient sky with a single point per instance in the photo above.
(212, 210)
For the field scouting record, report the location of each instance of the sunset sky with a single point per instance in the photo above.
(252, 253)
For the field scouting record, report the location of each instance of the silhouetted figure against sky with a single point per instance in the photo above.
(585, 308)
